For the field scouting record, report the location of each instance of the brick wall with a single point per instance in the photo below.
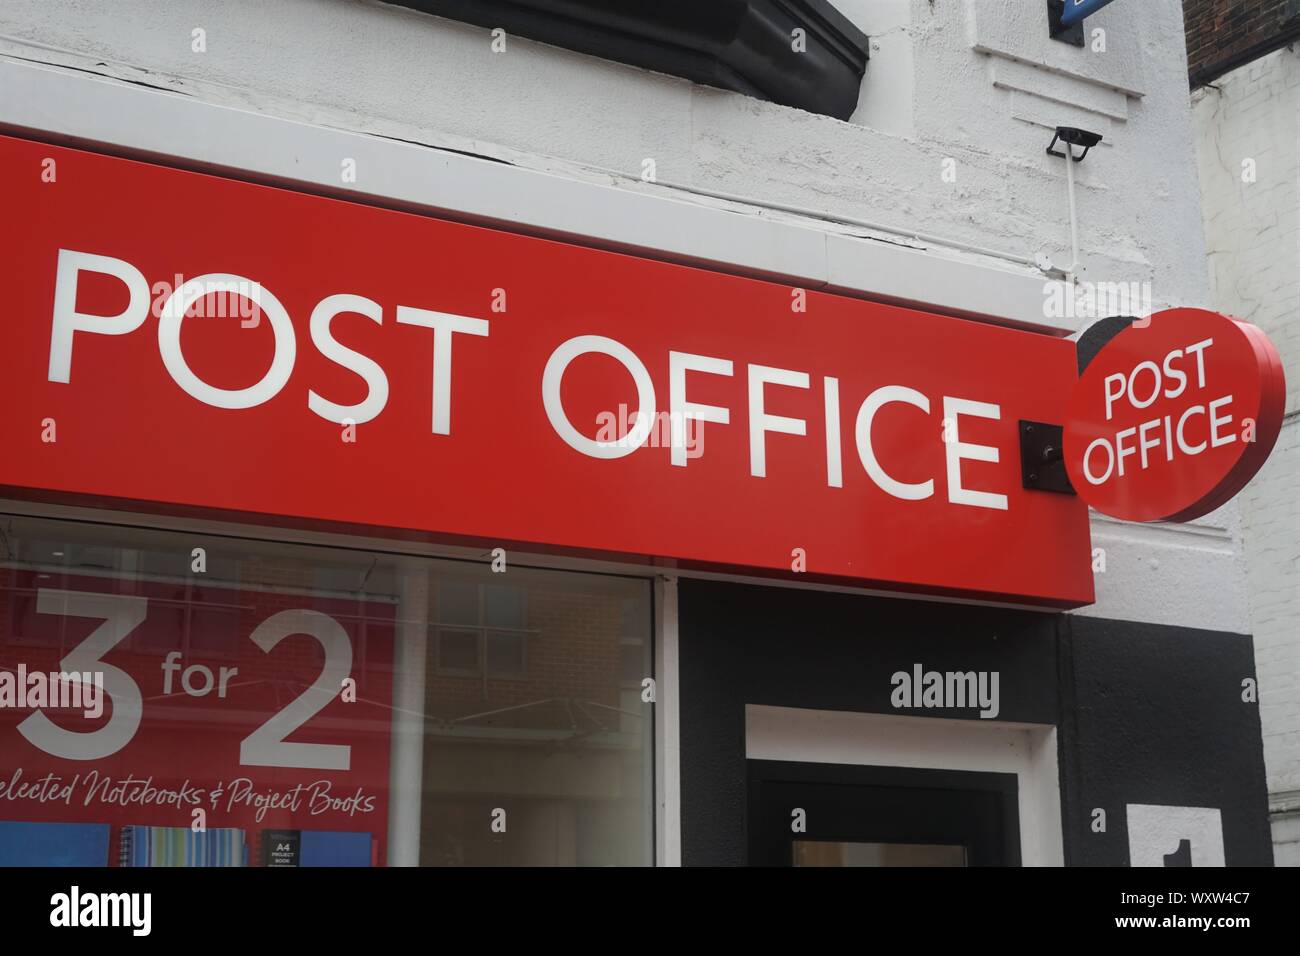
(1225, 33)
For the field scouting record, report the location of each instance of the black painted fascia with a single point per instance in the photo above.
(740, 45)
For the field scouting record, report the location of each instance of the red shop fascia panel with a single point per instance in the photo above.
(195, 344)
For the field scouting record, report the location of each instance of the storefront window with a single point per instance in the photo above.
(248, 703)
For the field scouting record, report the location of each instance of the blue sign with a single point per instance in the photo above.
(1076, 10)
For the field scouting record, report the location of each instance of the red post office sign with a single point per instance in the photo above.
(1174, 416)
(180, 339)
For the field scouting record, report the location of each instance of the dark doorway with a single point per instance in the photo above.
(804, 814)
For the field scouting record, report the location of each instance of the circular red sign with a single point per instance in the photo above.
(1174, 416)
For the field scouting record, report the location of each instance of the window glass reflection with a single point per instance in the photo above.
(316, 706)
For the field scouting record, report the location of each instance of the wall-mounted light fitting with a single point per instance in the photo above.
(1073, 136)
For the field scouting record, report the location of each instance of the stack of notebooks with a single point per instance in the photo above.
(87, 844)
(181, 846)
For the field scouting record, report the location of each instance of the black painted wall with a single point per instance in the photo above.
(1158, 718)
(1146, 714)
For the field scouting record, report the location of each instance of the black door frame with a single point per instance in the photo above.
(1003, 786)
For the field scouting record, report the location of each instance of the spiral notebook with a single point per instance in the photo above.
(181, 846)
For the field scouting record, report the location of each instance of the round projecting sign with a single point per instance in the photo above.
(1173, 416)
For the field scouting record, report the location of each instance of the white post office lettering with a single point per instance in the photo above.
(767, 387)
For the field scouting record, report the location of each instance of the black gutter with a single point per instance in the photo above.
(747, 46)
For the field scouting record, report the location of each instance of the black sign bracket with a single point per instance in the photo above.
(1042, 458)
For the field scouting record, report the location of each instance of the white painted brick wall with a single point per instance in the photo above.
(1286, 841)
(1271, 533)
(1253, 229)
(977, 81)
(1253, 242)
